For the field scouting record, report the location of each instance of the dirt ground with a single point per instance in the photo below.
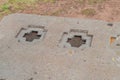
(108, 11)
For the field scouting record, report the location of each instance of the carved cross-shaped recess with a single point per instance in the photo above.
(31, 36)
(76, 38)
(76, 41)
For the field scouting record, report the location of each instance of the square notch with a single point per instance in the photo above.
(115, 41)
(31, 34)
(76, 39)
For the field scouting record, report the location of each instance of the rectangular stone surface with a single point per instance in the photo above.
(34, 47)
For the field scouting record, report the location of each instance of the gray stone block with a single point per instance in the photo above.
(43, 56)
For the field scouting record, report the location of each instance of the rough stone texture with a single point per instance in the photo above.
(46, 60)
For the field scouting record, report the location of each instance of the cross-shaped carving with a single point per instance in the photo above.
(31, 36)
(76, 41)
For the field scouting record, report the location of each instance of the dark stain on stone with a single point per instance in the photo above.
(2, 79)
(30, 79)
(49, 78)
(35, 72)
(84, 60)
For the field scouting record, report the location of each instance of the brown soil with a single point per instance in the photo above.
(108, 11)
(3, 1)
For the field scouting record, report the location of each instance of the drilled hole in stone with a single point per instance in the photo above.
(117, 44)
(31, 36)
(110, 24)
(76, 41)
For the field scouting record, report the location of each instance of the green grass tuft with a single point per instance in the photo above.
(5, 7)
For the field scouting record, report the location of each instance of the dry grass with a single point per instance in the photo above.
(88, 12)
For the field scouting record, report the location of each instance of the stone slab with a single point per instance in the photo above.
(47, 60)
